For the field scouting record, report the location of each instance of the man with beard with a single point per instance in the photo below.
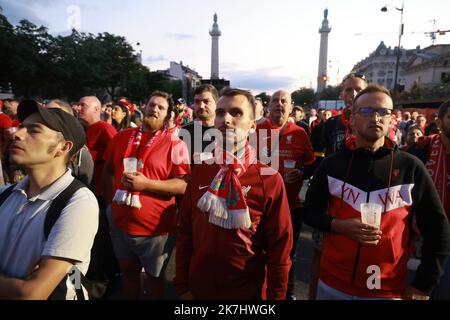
(289, 150)
(147, 168)
(234, 232)
(434, 151)
(199, 141)
(334, 132)
(183, 112)
(363, 260)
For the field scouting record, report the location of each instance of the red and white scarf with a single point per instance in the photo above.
(437, 167)
(224, 199)
(122, 195)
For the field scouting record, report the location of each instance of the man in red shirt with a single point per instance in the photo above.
(5, 124)
(234, 231)
(288, 149)
(146, 167)
(10, 107)
(98, 135)
(434, 151)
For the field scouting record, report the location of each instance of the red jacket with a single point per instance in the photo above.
(401, 185)
(294, 144)
(217, 263)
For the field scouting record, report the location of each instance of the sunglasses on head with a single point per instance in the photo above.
(370, 111)
(354, 75)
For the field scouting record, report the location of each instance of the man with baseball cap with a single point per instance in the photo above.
(33, 261)
(297, 114)
(183, 113)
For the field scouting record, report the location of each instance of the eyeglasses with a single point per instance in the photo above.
(370, 111)
(354, 75)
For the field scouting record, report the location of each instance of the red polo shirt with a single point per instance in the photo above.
(294, 145)
(168, 158)
(5, 123)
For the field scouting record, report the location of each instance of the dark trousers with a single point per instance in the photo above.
(297, 222)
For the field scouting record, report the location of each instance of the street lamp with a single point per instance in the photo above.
(384, 9)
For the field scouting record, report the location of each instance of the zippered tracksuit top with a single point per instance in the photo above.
(400, 183)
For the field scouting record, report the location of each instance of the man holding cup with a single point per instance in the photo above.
(286, 147)
(145, 168)
(369, 260)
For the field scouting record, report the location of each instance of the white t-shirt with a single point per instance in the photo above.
(22, 241)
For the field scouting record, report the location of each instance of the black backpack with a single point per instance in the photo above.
(97, 278)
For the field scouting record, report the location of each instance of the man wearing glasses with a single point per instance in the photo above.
(335, 131)
(363, 261)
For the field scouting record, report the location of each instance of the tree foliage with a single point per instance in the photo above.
(330, 93)
(265, 98)
(303, 96)
(35, 63)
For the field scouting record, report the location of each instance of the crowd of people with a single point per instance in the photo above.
(220, 182)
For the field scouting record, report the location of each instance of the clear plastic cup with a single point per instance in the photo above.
(371, 214)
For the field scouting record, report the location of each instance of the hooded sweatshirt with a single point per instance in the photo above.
(217, 263)
(398, 182)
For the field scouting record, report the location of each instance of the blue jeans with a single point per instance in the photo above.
(325, 292)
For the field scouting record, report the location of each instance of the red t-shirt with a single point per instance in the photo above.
(157, 215)
(294, 145)
(15, 123)
(5, 123)
(98, 137)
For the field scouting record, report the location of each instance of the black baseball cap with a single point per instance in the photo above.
(56, 119)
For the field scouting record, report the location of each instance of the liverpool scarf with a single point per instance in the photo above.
(122, 195)
(437, 167)
(224, 199)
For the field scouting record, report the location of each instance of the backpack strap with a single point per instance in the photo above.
(58, 205)
(6, 193)
(53, 213)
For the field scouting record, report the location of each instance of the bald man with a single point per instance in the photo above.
(98, 134)
(294, 153)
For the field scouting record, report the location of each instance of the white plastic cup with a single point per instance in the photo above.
(371, 214)
(289, 165)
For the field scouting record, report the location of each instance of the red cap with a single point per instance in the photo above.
(127, 104)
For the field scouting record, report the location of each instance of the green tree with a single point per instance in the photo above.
(303, 96)
(34, 63)
(30, 60)
(330, 93)
(7, 40)
(265, 98)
